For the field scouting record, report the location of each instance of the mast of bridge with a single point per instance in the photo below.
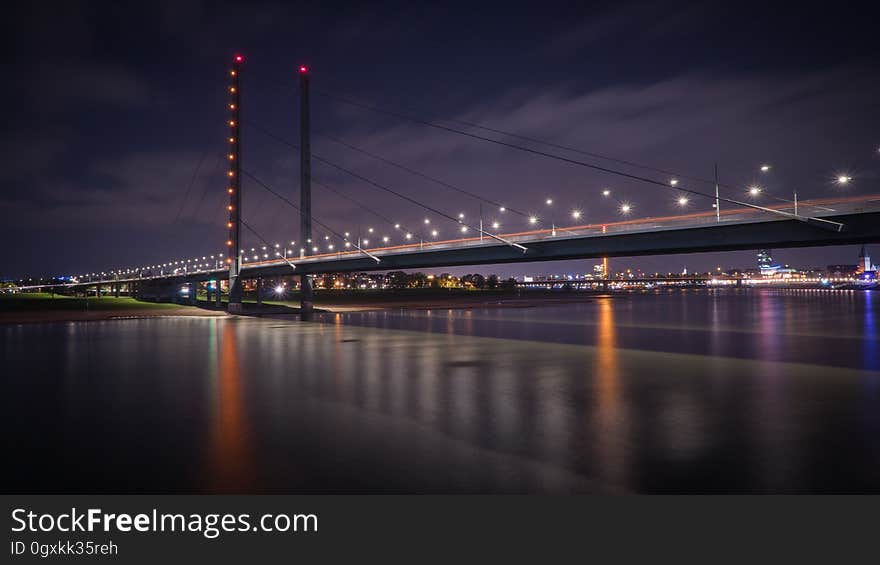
(305, 189)
(233, 156)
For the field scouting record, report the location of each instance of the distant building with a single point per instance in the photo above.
(765, 263)
(842, 270)
(865, 265)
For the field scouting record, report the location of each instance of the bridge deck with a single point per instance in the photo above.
(742, 228)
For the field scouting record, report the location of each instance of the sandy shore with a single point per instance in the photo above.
(340, 304)
(84, 316)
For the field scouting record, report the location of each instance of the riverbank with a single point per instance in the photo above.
(38, 307)
(44, 307)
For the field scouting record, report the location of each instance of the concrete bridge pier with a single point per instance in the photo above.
(307, 298)
(116, 290)
(259, 291)
(217, 293)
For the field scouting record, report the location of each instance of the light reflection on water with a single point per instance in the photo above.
(683, 392)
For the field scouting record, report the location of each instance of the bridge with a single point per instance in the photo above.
(731, 224)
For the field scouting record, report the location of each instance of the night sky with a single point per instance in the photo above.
(113, 108)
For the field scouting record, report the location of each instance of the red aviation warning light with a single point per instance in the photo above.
(239, 58)
(303, 69)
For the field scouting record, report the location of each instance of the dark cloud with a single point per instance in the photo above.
(116, 105)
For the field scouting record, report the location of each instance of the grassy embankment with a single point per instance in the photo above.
(43, 301)
(44, 307)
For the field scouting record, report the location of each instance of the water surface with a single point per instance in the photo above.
(684, 391)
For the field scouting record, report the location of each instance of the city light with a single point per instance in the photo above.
(533, 220)
(625, 208)
(495, 225)
(279, 289)
(682, 200)
(765, 168)
(606, 192)
(754, 190)
(673, 182)
(549, 201)
(576, 214)
(843, 179)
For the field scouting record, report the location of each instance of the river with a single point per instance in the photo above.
(668, 391)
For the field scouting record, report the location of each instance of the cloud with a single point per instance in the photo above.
(806, 123)
(58, 86)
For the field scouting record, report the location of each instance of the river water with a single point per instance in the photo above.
(679, 391)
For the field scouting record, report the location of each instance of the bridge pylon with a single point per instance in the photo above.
(233, 188)
(307, 296)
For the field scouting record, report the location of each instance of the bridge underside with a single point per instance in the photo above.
(862, 227)
(779, 234)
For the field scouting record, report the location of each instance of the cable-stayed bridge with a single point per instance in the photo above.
(730, 224)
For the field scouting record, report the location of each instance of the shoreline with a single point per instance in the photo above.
(51, 316)
(36, 310)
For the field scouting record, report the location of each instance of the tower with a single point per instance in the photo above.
(233, 187)
(864, 261)
(765, 263)
(305, 188)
